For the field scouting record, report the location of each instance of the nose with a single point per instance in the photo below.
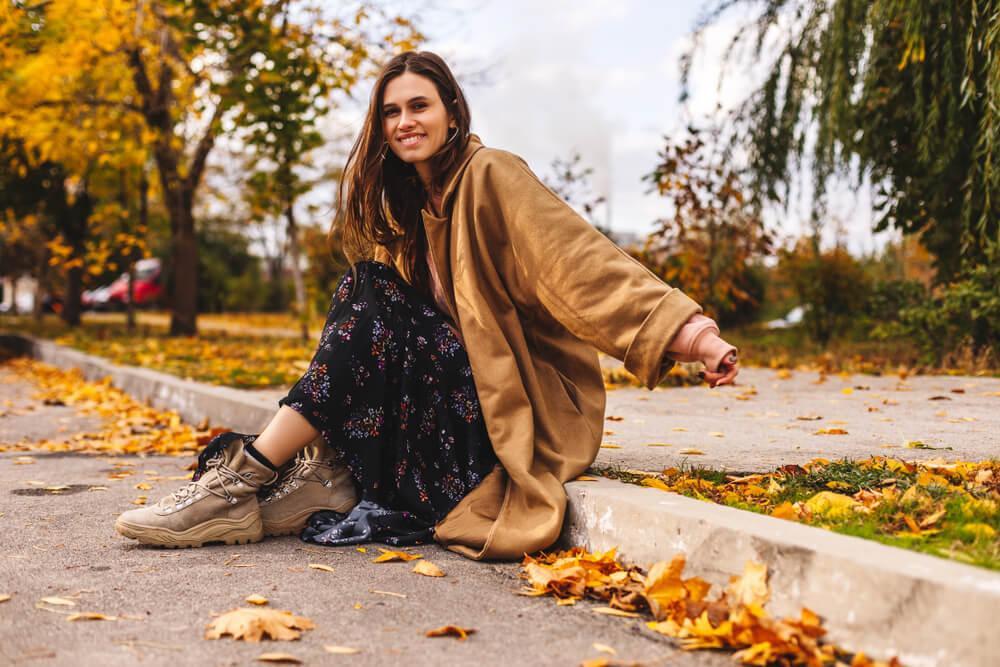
(405, 121)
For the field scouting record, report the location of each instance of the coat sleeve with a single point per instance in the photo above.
(595, 289)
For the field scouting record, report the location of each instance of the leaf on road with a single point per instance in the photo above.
(389, 555)
(4, 597)
(141, 500)
(63, 602)
(451, 631)
(428, 569)
(611, 611)
(251, 624)
(90, 616)
(255, 599)
(691, 452)
(340, 650)
(585, 478)
(658, 444)
(320, 566)
(831, 431)
(604, 648)
(286, 658)
(809, 418)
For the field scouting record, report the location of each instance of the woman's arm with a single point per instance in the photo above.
(586, 282)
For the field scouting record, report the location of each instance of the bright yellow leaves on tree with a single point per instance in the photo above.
(253, 624)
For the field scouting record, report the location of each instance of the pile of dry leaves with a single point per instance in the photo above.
(682, 608)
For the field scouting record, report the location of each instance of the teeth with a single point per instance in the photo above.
(411, 140)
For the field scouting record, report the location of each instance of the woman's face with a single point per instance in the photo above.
(415, 120)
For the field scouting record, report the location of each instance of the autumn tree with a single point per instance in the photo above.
(715, 230)
(905, 93)
(185, 70)
(570, 179)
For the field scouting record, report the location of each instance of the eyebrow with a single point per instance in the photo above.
(418, 98)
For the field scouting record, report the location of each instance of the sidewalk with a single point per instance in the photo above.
(875, 598)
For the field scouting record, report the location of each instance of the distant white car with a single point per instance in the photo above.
(793, 317)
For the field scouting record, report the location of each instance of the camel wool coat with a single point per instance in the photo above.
(536, 291)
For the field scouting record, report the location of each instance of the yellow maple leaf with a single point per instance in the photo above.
(251, 624)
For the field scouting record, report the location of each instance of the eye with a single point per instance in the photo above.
(390, 112)
(419, 105)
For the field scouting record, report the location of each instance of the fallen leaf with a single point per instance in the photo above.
(785, 510)
(320, 566)
(609, 445)
(287, 658)
(717, 434)
(450, 631)
(428, 569)
(90, 616)
(398, 595)
(611, 611)
(678, 428)
(808, 418)
(251, 624)
(604, 648)
(389, 555)
(255, 599)
(363, 550)
(614, 418)
(23, 460)
(585, 478)
(141, 500)
(144, 486)
(847, 391)
(831, 431)
(833, 505)
(58, 601)
(750, 588)
(659, 444)
(340, 650)
(691, 452)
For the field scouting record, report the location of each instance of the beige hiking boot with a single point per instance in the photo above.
(220, 506)
(315, 481)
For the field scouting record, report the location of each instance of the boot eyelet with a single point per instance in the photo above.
(232, 501)
(327, 483)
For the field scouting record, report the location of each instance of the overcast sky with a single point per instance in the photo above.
(601, 78)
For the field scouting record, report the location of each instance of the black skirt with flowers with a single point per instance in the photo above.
(391, 391)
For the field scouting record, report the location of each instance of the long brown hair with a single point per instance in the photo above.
(380, 196)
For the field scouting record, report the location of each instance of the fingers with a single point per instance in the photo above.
(726, 375)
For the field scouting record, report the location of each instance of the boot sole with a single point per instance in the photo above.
(295, 524)
(241, 531)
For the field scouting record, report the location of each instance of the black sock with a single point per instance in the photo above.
(252, 451)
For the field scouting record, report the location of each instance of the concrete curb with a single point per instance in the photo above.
(927, 611)
(886, 601)
(237, 409)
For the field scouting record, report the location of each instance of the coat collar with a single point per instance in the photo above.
(453, 177)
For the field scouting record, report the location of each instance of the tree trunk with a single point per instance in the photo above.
(183, 319)
(300, 288)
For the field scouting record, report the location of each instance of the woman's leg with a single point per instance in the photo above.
(284, 436)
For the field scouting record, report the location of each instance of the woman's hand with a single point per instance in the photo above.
(698, 340)
(726, 373)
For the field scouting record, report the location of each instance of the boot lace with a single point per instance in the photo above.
(225, 475)
(302, 469)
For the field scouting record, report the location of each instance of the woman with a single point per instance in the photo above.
(456, 384)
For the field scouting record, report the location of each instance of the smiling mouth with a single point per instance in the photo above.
(412, 140)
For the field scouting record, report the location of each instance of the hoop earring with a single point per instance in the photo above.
(452, 135)
(384, 153)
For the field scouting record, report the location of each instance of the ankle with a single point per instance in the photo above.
(258, 456)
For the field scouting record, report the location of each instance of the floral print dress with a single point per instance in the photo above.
(391, 391)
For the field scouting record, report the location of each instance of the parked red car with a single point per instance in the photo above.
(147, 288)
